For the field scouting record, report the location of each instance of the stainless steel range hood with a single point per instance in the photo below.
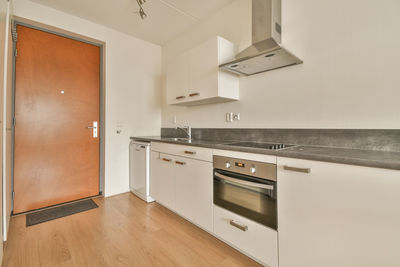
(266, 52)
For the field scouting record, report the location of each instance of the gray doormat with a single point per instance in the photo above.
(58, 212)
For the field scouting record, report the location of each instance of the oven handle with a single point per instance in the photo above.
(238, 181)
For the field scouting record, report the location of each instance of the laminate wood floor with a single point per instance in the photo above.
(123, 231)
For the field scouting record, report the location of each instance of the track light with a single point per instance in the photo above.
(142, 14)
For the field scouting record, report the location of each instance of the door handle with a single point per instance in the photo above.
(296, 169)
(180, 162)
(238, 225)
(242, 182)
(194, 94)
(189, 152)
(94, 127)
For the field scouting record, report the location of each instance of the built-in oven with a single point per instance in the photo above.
(247, 188)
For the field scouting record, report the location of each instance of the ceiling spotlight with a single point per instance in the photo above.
(142, 14)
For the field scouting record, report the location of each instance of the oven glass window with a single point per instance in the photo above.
(251, 197)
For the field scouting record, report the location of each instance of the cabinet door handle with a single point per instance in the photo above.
(167, 160)
(194, 94)
(242, 227)
(180, 97)
(296, 169)
(180, 162)
(190, 152)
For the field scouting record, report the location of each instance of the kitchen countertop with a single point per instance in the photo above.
(368, 158)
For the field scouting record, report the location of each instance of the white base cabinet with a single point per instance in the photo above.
(194, 187)
(338, 215)
(258, 241)
(183, 185)
(162, 185)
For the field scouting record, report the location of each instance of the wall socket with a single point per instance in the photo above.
(230, 117)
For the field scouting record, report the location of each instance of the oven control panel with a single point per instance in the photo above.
(247, 167)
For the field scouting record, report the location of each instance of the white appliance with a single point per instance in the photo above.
(139, 169)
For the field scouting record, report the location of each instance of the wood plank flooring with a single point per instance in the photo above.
(123, 231)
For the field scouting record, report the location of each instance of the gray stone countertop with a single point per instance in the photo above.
(368, 158)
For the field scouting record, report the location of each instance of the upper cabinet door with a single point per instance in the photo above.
(203, 71)
(194, 78)
(178, 79)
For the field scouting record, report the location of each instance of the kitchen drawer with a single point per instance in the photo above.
(193, 152)
(257, 241)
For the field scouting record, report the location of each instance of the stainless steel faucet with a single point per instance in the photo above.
(187, 130)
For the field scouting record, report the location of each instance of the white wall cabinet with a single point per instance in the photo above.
(337, 215)
(178, 79)
(194, 78)
(183, 184)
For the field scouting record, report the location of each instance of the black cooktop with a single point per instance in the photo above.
(260, 145)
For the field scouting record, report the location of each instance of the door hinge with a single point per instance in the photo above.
(13, 195)
(14, 121)
(14, 33)
(16, 52)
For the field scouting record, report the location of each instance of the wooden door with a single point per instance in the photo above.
(57, 96)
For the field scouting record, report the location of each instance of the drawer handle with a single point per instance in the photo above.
(295, 169)
(167, 160)
(190, 152)
(242, 227)
(180, 97)
(180, 162)
(194, 94)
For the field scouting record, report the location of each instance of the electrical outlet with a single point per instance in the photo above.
(230, 117)
(236, 117)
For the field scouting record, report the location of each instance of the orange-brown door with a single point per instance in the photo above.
(57, 97)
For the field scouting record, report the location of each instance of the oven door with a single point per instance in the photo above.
(251, 197)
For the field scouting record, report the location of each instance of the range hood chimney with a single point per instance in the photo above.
(266, 52)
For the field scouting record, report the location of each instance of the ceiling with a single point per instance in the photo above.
(165, 18)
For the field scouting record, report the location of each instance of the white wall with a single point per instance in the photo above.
(133, 71)
(350, 77)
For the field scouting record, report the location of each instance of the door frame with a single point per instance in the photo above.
(74, 36)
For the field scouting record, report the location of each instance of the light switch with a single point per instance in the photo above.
(120, 127)
(229, 117)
